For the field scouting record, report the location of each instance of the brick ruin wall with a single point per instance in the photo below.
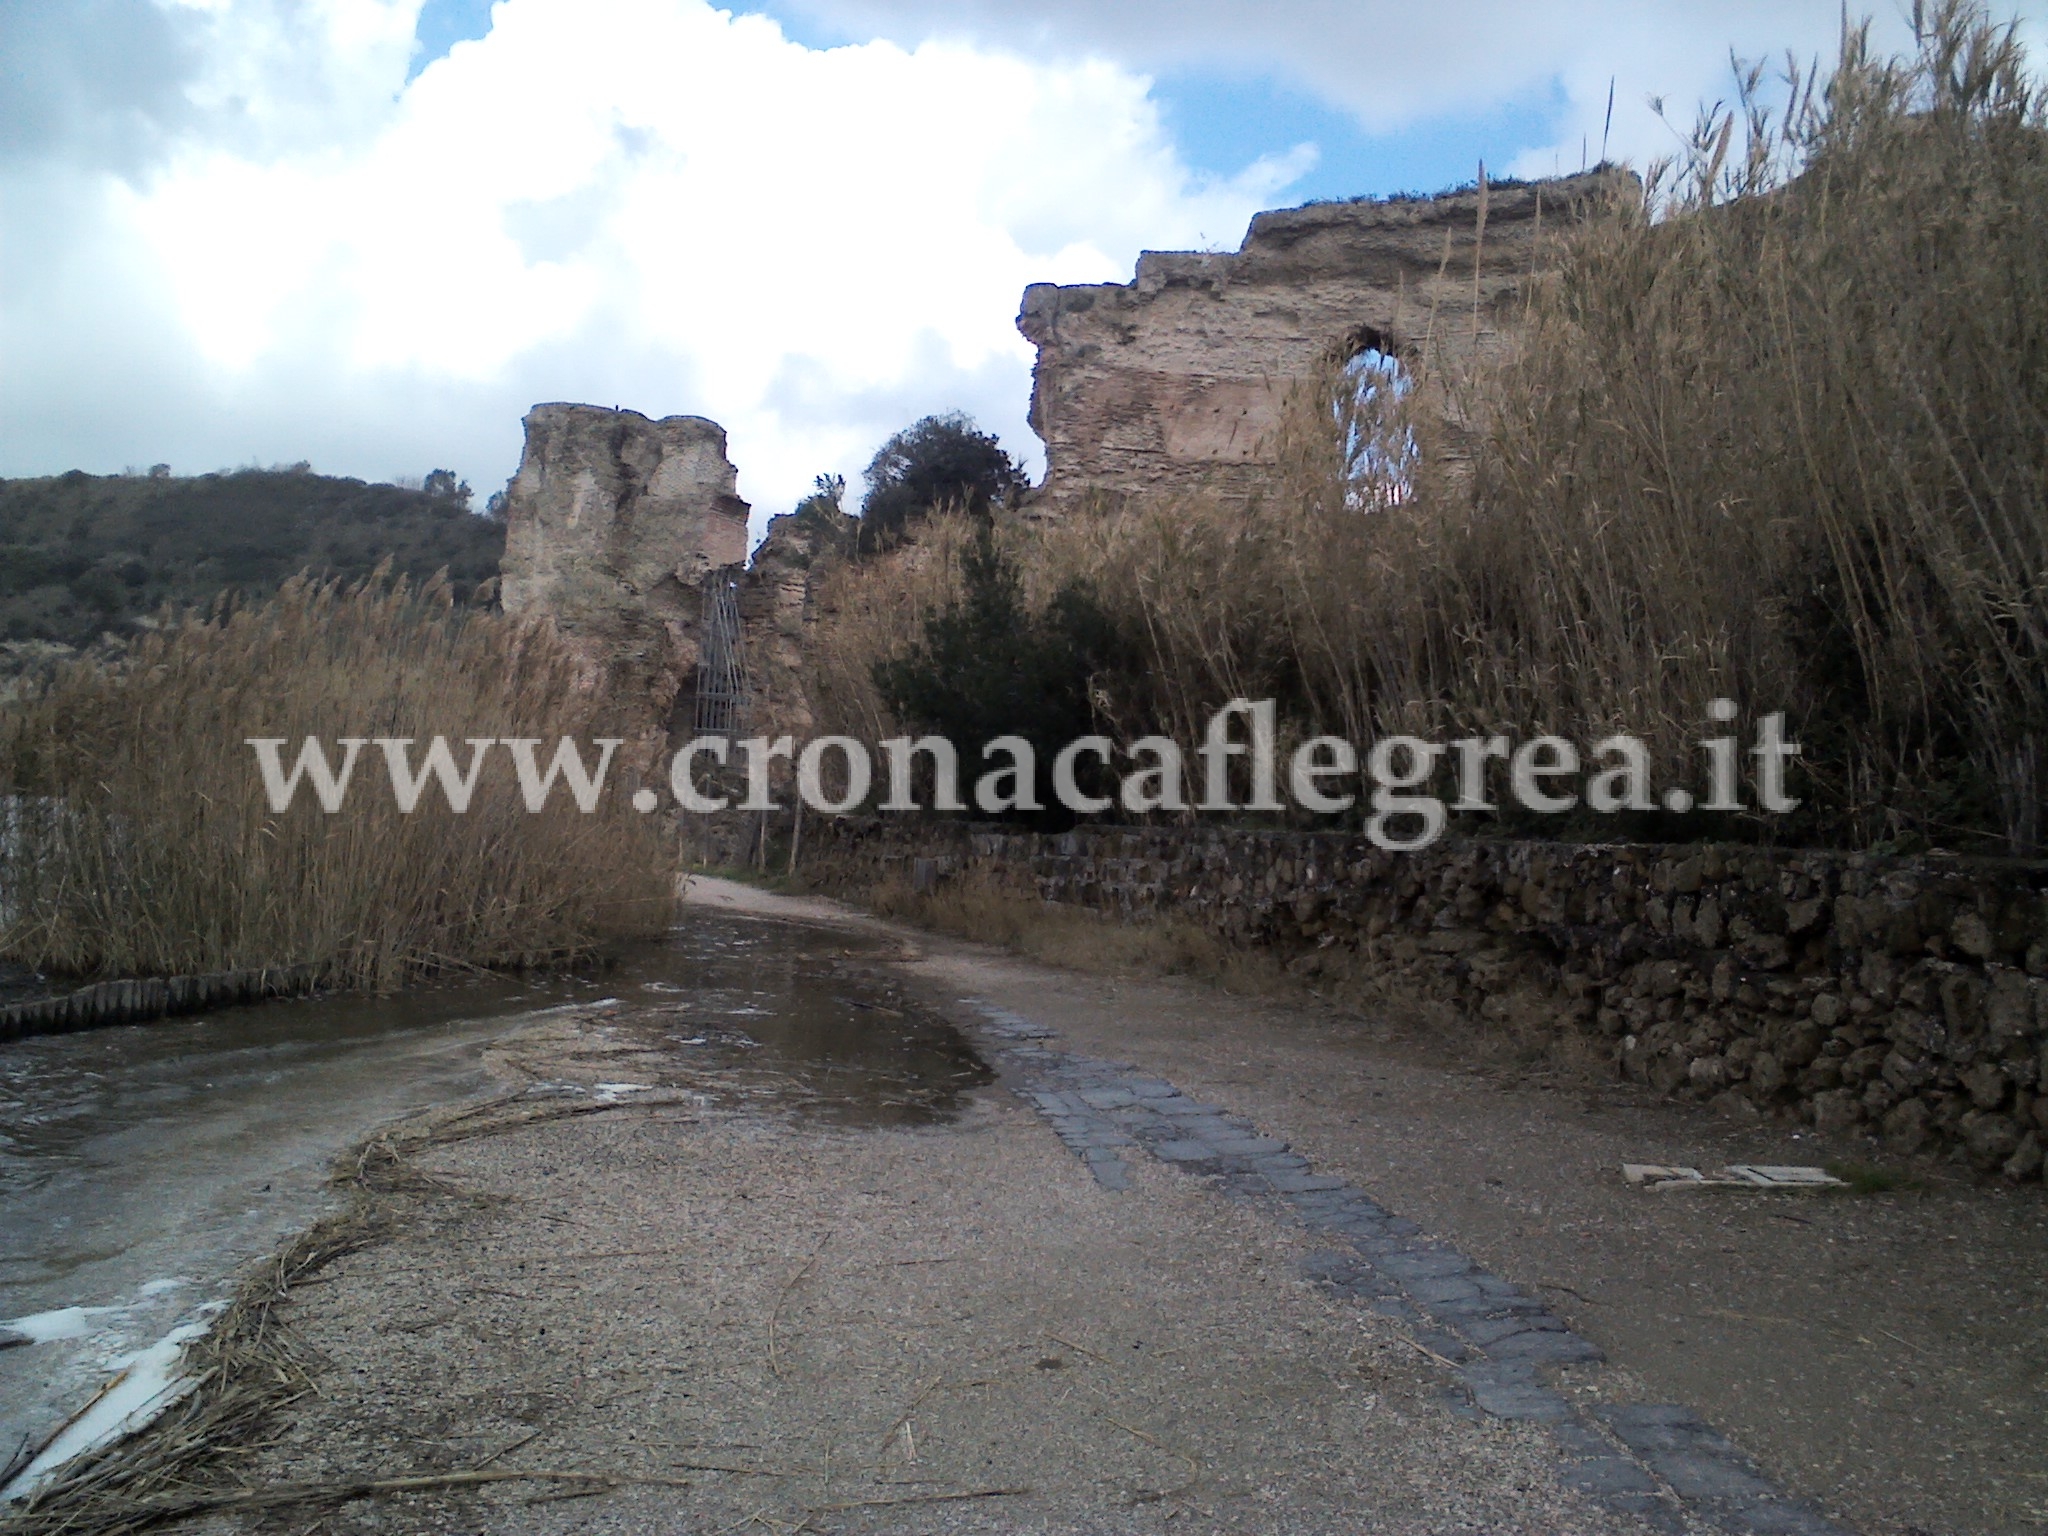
(1174, 382)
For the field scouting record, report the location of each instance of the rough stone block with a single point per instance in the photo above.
(1603, 1476)
(1250, 1146)
(1426, 1264)
(1550, 1348)
(1305, 1183)
(1508, 1390)
(1107, 1098)
(1111, 1175)
(1432, 1291)
(1486, 1332)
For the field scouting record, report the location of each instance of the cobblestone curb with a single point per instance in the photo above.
(1656, 1462)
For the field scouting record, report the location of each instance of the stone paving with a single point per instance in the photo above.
(1658, 1462)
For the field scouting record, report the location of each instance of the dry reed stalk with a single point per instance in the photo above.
(871, 608)
(1780, 437)
(249, 1367)
(143, 844)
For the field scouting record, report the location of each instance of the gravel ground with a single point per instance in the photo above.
(861, 1323)
(1885, 1356)
(955, 1327)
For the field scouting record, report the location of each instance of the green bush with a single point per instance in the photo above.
(988, 665)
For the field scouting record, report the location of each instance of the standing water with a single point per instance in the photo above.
(141, 1166)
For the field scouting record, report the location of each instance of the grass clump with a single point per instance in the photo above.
(1870, 1179)
(140, 842)
(1074, 937)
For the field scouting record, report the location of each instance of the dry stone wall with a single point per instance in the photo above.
(1906, 998)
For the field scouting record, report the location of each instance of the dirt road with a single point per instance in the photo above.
(1188, 1263)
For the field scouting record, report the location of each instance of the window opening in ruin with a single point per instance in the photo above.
(724, 695)
(1372, 411)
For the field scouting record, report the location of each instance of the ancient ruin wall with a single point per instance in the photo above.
(1175, 382)
(612, 523)
(775, 610)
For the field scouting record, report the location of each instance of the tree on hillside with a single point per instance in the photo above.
(939, 461)
(81, 554)
(442, 485)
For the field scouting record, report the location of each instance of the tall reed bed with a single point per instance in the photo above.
(1775, 428)
(141, 841)
(1780, 431)
(871, 608)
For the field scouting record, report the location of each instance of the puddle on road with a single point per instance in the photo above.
(791, 1019)
(141, 1165)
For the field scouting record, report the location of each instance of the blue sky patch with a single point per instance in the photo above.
(809, 32)
(443, 24)
(1222, 123)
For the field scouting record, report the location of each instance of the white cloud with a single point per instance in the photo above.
(642, 202)
(1393, 64)
(232, 230)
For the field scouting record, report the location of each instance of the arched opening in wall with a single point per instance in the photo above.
(1373, 406)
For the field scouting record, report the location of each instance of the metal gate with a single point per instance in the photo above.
(724, 694)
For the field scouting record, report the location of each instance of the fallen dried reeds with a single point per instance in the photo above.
(250, 1365)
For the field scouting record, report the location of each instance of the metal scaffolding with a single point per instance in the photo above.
(724, 693)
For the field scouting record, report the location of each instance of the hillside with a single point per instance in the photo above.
(81, 555)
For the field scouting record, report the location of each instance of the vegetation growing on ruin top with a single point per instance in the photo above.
(938, 461)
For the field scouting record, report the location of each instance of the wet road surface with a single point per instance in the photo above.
(140, 1166)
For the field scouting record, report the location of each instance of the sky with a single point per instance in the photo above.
(370, 234)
